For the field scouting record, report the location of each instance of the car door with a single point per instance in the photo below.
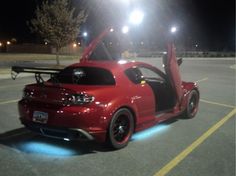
(142, 93)
(160, 86)
(172, 70)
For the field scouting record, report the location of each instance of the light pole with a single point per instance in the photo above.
(84, 40)
(173, 31)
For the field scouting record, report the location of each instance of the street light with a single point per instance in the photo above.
(173, 29)
(0, 44)
(125, 29)
(111, 30)
(74, 45)
(136, 17)
(8, 43)
(85, 34)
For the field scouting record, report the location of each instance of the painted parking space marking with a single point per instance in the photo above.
(233, 66)
(201, 80)
(174, 162)
(8, 102)
(10, 86)
(218, 104)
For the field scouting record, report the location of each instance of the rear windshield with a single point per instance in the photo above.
(85, 76)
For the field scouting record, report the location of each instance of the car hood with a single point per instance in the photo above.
(172, 70)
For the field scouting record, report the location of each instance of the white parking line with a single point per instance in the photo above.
(201, 80)
(216, 103)
(10, 86)
(233, 66)
(8, 102)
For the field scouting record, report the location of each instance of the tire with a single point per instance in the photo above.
(120, 129)
(192, 105)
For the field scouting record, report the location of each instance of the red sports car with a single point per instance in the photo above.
(105, 99)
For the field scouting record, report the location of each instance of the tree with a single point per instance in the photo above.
(57, 23)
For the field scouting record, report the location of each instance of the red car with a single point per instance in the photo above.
(105, 100)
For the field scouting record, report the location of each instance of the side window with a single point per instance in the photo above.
(134, 75)
(150, 74)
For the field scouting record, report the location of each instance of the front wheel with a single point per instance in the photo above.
(192, 104)
(120, 129)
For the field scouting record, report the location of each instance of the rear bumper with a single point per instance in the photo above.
(69, 122)
(59, 132)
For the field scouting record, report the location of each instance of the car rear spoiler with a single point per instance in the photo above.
(16, 70)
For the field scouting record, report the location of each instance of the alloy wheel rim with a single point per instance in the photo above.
(121, 129)
(193, 104)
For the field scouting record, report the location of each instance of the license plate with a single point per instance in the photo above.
(40, 117)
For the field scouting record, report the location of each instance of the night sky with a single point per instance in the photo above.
(208, 23)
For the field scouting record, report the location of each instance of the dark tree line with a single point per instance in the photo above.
(57, 23)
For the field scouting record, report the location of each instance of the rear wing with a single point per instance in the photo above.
(16, 70)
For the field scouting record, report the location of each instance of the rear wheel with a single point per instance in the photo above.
(192, 104)
(120, 129)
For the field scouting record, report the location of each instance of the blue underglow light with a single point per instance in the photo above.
(47, 149)
(150, 132)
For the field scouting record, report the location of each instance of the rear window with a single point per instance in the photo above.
(85, 76)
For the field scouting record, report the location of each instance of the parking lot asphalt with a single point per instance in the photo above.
(202, 146)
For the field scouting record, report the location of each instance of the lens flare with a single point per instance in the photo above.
(136, 17)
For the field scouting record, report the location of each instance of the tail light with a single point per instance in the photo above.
(82, 98)
(27, 93)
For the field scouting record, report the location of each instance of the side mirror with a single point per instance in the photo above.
(180, 61)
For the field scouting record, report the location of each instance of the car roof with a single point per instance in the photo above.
(115, 66)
